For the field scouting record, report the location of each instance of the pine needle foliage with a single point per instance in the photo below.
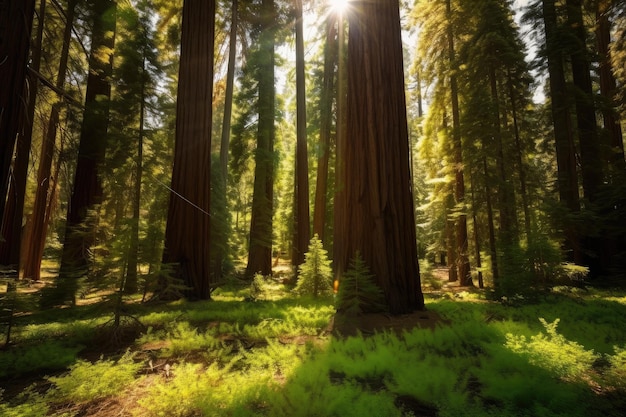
(358, 293)
(315, 273)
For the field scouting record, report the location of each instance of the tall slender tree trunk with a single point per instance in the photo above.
(590, 158)
(131, 282)
(260, 252)
(462, 261)
(379, 217)
(340, 207)
(38, 228)
(188, 220)
(87, 187)
(506, 196)
(608, 86)
(326, 103)
(302, 227)
(565, 153)
(228, 99)
(451, 248)
(11, 227)
(520, 160)
(221, 249)
(16, 19)
(493, 250)
(476, 235)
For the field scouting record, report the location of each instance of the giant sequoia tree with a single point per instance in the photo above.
(188, 222)
(378, 215)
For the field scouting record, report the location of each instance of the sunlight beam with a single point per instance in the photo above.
(338, 6)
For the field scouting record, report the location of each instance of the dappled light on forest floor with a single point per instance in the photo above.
(279, 354)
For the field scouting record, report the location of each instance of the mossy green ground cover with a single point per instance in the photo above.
(563, 354)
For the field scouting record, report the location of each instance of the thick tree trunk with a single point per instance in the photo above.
(564, 142)
(87, 187)
(379, 218)
(188, 220)
(302, 227)
(260, 252)
(326, 103)
(11, 229)
(16, 18)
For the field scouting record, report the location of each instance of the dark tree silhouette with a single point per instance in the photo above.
(87, 188)
(16, 18)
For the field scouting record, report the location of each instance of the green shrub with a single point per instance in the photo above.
(554, 352)
(86, 381)
(315, 273)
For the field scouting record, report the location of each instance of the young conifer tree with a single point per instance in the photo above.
(315, 273)
(358, 293)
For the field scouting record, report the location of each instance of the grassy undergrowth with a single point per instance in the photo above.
(561, 355)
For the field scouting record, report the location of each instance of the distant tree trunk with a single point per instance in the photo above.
(302, 227)
(87, 187)
(38, 228)
(130, 284)
(608, 86)
(16, 19)
(520, 160)
(260, 252)
(188, 221)
(476, 236)
(564, 142)
(493, 251)
(326, 103)
(462, 261)
(11, 227)
(340, 207)
(221, 249)
(506, 196)
(228, 99)
(379, 217)
(590, 158)
(451, 248)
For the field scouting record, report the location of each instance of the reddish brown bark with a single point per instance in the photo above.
(379, 218)
(188, 221)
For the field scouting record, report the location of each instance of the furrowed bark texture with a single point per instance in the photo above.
(379, 219)
(188, 221)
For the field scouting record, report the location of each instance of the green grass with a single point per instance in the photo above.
(563, 354)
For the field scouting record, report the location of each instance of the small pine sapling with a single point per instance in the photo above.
(315, 273)
(358, 293)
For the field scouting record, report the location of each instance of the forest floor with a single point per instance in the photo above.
(271, 357)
